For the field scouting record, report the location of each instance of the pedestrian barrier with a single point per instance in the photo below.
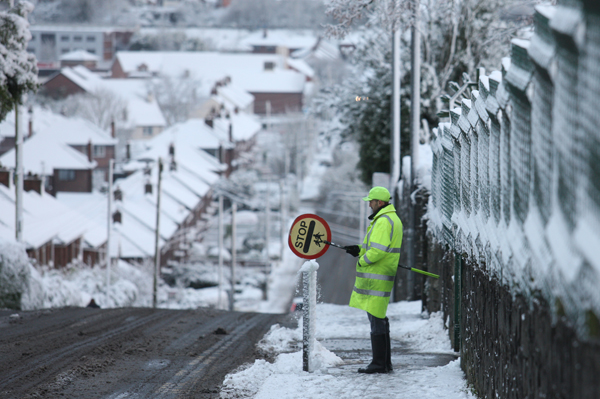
(515, 194)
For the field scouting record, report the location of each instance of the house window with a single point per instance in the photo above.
(91, 38)
(91, 51)
(32, 37)
(65, 50)
(269, 66)
(99, 151)
(64, 38)
(147, 131)
(66, 175)
(77, 38)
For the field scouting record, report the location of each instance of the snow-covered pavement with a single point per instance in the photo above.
(424, 364)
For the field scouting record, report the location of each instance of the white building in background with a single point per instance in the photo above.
(50, 42)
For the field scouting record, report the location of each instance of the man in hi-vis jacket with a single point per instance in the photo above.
(378, 259)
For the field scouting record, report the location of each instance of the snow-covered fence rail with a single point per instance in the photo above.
(516, 195)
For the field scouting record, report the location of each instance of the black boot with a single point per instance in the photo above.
(388, 345)
(379, 347)
(388, 363)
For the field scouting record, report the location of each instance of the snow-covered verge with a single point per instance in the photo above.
(334, 377)
(25, 287)
(15, 275)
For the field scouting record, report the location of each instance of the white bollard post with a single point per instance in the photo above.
(309, 304)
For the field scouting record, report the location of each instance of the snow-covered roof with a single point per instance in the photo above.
(301, 66)
(94, 207)
(44, 218)
(42, 153)
(291, 38)
(72, 131)
(322, 50)
(278, 81)
(237, 96)
(78, 55)
(243, 125)
(191, 133)
(142, 108)
(246, 71)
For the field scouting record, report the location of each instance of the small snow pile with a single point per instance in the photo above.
(287, 366)
(14, 274)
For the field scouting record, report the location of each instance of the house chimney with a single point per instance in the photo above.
(118, 194)
(89, 150)
(148, 188)
(128, 151)
(231, 132)
(117, 218)
(32, 182)
(5, 176)
(209, 121)
(172, 149)
(112, 129)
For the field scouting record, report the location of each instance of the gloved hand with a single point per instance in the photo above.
(353, 250)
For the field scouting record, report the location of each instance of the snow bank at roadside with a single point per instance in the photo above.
(284, 377)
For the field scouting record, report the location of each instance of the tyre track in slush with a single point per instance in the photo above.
(205, 371)
(48, 363)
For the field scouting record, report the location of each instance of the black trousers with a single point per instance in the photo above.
(378, 326)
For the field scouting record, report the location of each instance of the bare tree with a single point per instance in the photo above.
(176, 96)
(100, 107)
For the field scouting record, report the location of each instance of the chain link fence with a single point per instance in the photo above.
(514, 214)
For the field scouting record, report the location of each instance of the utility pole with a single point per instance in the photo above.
(157, 236)
(233, 253)
(415, 113)
(396, 158)
(109, 222)
(220, 249)
(18, 177)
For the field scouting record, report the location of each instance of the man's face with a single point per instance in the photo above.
(374, 205)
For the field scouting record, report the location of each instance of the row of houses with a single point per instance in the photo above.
(66, 163)
(66, 159)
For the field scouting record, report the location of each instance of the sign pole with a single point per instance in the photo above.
(309, 239)
(309, 285)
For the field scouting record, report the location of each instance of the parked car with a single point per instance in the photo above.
(296, 304)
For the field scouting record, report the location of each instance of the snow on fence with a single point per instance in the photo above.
(516, 172)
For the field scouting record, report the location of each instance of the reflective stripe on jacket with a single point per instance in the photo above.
(377, 263)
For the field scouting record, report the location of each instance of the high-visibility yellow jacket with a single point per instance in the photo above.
(377, 263)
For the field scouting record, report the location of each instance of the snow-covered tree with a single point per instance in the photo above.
(263, 14)
(18, 68)
(79, 11)
(457, 36)
(176, 96)
(100, 107)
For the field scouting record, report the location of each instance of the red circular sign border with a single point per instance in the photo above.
(325, 248)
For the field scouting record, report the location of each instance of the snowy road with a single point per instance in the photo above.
(124, 353)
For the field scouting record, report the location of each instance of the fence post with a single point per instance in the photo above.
(309, 303)
(457, 298)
